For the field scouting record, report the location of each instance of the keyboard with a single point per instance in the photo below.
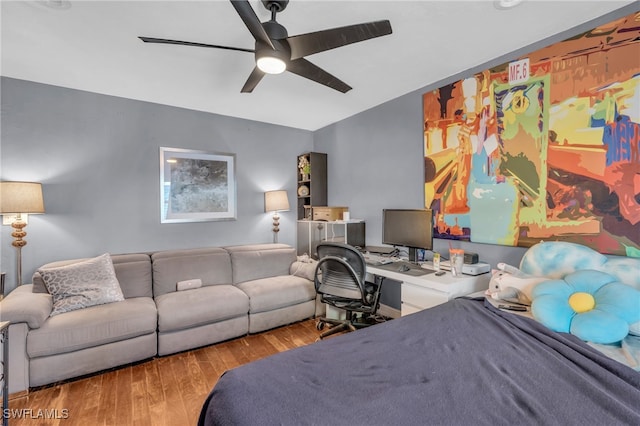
(411, 268)
(376, 260)
(380, 250)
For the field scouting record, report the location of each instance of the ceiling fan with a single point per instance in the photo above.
(275, 51)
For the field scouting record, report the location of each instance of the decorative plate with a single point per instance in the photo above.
(303, 190)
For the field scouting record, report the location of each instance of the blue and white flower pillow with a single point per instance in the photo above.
(592, 305)
(579, 303)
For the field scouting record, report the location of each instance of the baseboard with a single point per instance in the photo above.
(16, 395)
(388, 311)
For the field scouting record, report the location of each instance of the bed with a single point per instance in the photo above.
(460, 363)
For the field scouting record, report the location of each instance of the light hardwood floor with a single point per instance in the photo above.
(163, 391)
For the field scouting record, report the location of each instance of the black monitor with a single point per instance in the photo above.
(412, 228)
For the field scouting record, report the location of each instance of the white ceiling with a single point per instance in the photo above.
(93, 46)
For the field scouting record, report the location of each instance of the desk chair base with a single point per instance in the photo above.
(346, 324)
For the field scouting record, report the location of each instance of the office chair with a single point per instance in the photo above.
(340, 280)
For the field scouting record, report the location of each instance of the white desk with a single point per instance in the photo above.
(426, 291)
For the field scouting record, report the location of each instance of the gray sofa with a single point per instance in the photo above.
(244, 289)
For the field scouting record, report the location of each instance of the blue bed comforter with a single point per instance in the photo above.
(460, 363)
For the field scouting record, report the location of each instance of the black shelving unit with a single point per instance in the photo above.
(312, 182)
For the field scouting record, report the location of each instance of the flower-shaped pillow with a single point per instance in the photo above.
(592, 305)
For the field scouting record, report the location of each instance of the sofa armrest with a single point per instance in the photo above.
(22, 305)
(304, 269)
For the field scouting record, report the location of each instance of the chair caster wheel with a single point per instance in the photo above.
(320, 325)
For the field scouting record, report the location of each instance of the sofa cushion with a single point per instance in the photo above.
(205, 305)
(80, 285)
(211, 265)
(134, 273)
(277, 292)
(132, 270)
(22, 305)
(253, 262)
(93, 326)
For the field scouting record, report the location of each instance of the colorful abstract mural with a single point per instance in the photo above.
(546, 147)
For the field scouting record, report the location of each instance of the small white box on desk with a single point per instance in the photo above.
(476, 268)
(468, 269)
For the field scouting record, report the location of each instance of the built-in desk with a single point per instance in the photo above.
(426, 291)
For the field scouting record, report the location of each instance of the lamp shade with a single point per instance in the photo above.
(21, 197)
(276, 201)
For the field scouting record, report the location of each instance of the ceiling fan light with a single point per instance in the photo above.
(271, 65)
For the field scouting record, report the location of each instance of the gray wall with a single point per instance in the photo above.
(98, 160)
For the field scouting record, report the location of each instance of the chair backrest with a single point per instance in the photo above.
(340, 272)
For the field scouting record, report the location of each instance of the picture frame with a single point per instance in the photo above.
(197, 186)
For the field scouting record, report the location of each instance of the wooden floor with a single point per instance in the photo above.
(168, 390)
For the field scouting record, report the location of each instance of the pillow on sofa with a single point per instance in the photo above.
(80, 285)
(305, 268)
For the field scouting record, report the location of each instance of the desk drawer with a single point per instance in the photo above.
(422, 297)
(407, 309)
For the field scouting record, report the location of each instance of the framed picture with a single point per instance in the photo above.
(196, 186)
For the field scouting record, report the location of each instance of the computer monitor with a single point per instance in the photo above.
(411, 228)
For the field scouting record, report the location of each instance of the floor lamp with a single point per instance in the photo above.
(17, 199)
(275, 201)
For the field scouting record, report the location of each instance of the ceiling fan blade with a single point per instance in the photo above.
(252, 81)
(189, 43)
(319, 41)
(306, 69)
(250, 19)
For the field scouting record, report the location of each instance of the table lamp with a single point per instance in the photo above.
(275, 201)
(17, 199)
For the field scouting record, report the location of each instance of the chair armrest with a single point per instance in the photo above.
(304, 269)
(22, 305)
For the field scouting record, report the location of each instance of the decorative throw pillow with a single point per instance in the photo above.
(80, 285)
(591, 305)
(305, 268)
